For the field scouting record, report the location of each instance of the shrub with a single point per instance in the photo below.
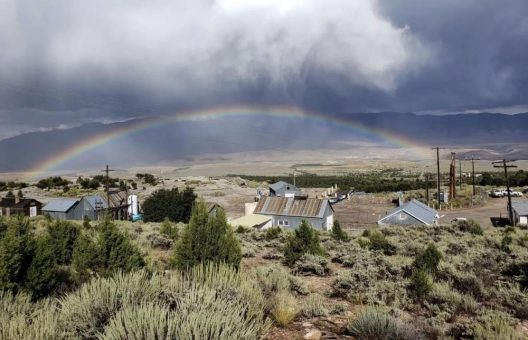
(284, 308)
(16, 252)
(314, 306)
(43, 276)
(86, 257)
(420, 284)
(240, 230)
(305, 240)
(207, 239)
(496, 325)
(375, 324)
(273, 233)
(428, 259)
(470, 226)
(312, 264)
(118, 253)
(171, 204)
(338, 233)
(63, 235)
(379, 242)
(339, 308)
(169, 230)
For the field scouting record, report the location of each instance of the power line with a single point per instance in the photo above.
(504, 164)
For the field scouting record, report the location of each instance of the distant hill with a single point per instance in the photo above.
(186, 139)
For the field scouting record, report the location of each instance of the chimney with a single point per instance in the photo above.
(17, 199)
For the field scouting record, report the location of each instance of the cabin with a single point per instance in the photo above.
(20, 206)
(118, 205)
(283, 189)
(410, 213)
(520, 212)
(63, 209)
(289, 212)
(91, 207)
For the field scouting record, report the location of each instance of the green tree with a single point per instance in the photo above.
(207, 239)
(428, 260)
(338, 233)
(305, 240)
(87, 257)
(63, 235)
(43, 276)
(117, 250)
(16, 252)
(10, 195)
(420, 284)
(169, 230)
(171, 204)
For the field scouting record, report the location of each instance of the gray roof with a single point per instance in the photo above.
(417, 210)
(60, 205)
(521, 207)
(281, 185)
(93, 199)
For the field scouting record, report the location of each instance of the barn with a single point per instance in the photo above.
(289, 212)
(63, 209)
(91, 207)
(410, 213)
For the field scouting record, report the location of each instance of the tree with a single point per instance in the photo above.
(428, 259)
(16, 252)
(171, 204)
(338, 233)
(169, 230)
(207, 239)
(10, 195)
(305, 240)
(20, 194)
(43, 276)
(86, 257)
(64, 234)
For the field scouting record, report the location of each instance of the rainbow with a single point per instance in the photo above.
(70, 152)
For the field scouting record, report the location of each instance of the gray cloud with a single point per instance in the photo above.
(71, 62)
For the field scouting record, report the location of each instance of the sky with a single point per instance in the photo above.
(65, 63)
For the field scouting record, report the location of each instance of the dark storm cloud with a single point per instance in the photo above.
(64, 63)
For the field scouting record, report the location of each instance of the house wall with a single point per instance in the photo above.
(84, 208)
(56, 214)
(400, 218)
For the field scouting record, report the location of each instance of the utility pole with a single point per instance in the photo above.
(427, 188)
(452, 176)
(293, 177)
(460, 174)
(437, 174)
(107, 186)
(473, 159)
(504, 164)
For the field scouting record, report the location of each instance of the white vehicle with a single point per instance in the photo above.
(496, 193)
(459, 219)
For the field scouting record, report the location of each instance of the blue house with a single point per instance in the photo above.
(410, 213)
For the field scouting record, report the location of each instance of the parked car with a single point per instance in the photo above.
(496, 193)
(458, 219)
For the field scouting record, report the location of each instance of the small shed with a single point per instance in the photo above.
(283, 189)
(20, 206)
(62, 209)
(520, 212)
(410, 213)
(289, 212)
(118, 205)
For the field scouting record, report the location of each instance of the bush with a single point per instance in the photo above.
(420, 284)
(312, 264)
(338, 233)
(305, 240)
(171, 204)
(273, 233)
(379, 242)
(284, 308)
(169, 230)
(496, 325)
(376, 324)
(314, 306)
(470, 226)
(428, 260)
(207, 239)
(43, 276)
(63, 235)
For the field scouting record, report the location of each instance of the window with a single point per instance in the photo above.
(286, 223)
(283, 223)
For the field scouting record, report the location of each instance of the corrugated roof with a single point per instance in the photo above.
(290, 206)
(520, 206)
(94, 199)
(11, 203)
(60, 205)
(250, 221)
(417, 210)
(118, 199)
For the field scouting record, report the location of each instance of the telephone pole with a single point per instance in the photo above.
(473, 159)
(427, 188)
(437, 174)
(504, 164)
(107, 186)
(460, 174)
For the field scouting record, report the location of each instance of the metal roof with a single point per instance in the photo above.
(250, 221)
(118, 199)
(60, 205)
(520, 207)
(417, 210)
(291, 206)
(281, 185)
(94, 199)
